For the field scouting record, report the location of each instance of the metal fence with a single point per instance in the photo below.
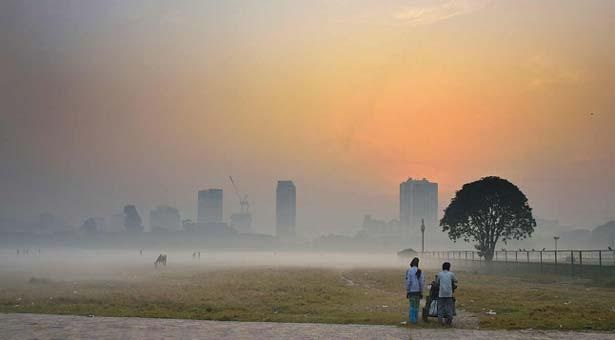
(574, 262)
(578, 257)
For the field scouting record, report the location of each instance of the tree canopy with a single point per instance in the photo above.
(486, 211)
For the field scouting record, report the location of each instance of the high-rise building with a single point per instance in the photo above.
(209, 209)
(418, 200)
(165, 218)
(286, 209)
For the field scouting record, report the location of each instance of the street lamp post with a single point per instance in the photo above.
(555, 238)
(422, 236)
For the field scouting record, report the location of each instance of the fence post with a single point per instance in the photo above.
(516, 257)
(527, 253)
(506, 256)
(555, 252)
(541, 261)
(572, 262)
(600, 258)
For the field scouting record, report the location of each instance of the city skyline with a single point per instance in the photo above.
(113, 103)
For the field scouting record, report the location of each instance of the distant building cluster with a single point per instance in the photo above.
(210, 213)
(418, 203)
(165, 218)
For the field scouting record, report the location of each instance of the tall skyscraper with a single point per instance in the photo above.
(209, 209)
(418, 199)
(285, 209)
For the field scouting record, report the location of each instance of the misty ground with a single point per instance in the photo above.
(284, 287)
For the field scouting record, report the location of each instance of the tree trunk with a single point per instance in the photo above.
(488, 255)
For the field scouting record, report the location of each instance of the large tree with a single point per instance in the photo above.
(486, 211)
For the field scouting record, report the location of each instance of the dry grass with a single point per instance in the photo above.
(365, 296)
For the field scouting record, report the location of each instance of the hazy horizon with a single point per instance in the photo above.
(110, 103)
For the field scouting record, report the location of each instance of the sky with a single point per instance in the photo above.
(106, 103)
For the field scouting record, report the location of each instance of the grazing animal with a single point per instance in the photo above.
(162, 259)
(610, 248)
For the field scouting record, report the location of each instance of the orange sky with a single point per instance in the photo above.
(148, 102)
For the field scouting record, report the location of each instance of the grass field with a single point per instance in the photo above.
(364, 296)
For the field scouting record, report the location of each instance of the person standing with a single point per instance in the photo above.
(415, 282)
(447, 283)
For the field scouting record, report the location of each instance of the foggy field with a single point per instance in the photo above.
(284, 287)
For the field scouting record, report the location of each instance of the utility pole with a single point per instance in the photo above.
(422, 236)
(555, 238)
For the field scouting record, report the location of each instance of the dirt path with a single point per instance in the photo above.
(44, 327)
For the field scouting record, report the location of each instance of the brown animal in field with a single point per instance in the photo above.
(162, 259)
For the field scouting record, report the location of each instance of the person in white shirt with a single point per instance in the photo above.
(447, 283)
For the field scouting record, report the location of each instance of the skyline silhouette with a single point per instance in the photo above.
(111, 103)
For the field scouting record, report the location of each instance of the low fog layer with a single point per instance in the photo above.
(84, 264)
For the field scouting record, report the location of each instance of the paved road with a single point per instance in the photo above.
(44, 327)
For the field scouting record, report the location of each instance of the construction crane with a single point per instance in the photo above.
(243, 202)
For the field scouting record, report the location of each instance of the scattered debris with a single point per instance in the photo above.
(490, 312)
(567, 303)
(403, 323)
(385, 306)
